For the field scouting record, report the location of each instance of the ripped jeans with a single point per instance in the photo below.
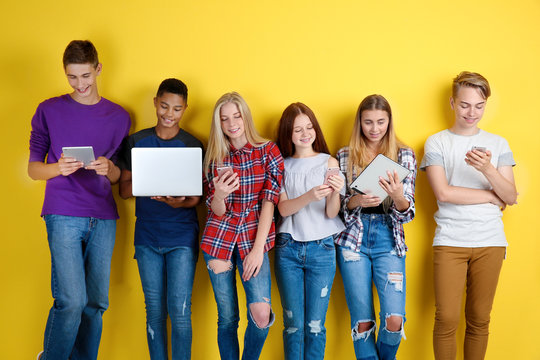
(257, 290)
(304, 273)
(376, 262)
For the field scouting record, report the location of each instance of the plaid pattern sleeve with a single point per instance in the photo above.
(260, 170)
(351, 237)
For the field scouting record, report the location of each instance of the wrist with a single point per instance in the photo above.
(219, 198)
(489, 170)
(57, 170)
(258, 246)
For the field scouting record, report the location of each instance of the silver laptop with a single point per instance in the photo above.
(368, 181)
(166, 171)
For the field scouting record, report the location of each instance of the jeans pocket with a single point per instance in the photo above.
(328, 243)
(390, 223)
(282, 239)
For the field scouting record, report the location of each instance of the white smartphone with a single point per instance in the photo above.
(223, 169)
(84, 154)
(330, 172)
(479, 148)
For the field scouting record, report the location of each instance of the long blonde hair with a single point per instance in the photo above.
(218, 143)
(359, 156)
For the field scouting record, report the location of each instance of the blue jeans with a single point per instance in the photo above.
(305, 274)
(167, 279)
(257, 290)
(81, 251)
(377, 261)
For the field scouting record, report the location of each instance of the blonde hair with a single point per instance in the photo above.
(471, 79)
(359, 156)
(218, 143)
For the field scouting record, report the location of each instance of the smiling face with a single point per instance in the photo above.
(303, 134)
(169, 110)
(374, 125)
(468, 106)
(232, 124)
(82, 78)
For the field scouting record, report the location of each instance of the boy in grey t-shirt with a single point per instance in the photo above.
(471, 174)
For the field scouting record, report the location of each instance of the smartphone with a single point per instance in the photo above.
(479, 148)
(85, 154)
(330, 172)
(223, 169)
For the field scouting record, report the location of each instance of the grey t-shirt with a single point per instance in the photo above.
(478, 225)
(310, 222)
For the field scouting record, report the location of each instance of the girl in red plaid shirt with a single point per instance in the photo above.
(243, 175)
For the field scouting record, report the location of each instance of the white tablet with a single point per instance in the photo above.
(166, 171)
(80, 153)
(368, 181)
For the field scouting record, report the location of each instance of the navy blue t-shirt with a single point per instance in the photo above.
(159, 224)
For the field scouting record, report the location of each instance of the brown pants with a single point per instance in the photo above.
(453, 268)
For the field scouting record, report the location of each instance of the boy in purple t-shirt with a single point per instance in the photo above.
(79, 210)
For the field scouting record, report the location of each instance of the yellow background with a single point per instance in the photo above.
(274, 53)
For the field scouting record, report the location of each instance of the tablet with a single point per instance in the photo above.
(166, 171)
(368, 181)
(80, 153)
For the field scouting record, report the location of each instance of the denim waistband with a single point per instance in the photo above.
(375, 217)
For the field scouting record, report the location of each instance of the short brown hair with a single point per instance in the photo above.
(286, 125)
(80, 52)
(471, 79)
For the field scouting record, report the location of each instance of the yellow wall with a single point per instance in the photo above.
(274, 53)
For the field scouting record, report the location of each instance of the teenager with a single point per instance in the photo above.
(305, 258)
(470, 172)
(372, 248)
(79, 210)
(243, 172)
(166, 232)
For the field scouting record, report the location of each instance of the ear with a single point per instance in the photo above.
(155, 101)
(452, 102)
(98, 68)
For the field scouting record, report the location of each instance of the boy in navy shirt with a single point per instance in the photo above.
(166, 231)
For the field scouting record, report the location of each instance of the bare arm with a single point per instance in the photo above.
(336, 183)
(65, 166)
(456, 194)
(501, 179)
(224, 185)
(38, 170)
(503, 183)
(289, 207)
(124, 188)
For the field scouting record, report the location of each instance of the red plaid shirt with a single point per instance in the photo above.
(260, 170)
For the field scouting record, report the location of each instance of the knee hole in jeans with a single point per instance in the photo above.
(218, 266)
(394, 323)
(261, 313)
(362, 329)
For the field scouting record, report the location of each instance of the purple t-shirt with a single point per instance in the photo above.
(60, 122)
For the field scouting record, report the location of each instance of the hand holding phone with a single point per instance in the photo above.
(333, 171)
(223, 169)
